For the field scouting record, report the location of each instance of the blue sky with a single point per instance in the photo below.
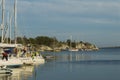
(95, 21)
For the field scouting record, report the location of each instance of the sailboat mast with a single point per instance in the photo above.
(2, 25)
(70, 41)
(15, 19)
(10, 27)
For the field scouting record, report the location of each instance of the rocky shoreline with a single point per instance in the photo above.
(63, 47)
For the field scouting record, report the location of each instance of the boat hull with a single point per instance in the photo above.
(11, 63)
(5, 71)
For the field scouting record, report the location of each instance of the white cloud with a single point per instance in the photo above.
(94, 11)
(70, 6)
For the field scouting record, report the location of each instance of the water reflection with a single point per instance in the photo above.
(4, 76)
(69, 65)
(79, 58)
(75, 57)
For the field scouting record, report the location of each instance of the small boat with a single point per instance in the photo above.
(38, 60)
(5, 70)
(74, 49)
(71, 48)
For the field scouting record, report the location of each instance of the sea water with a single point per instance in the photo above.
(103, 64)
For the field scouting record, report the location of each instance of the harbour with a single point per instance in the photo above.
(103, 64)
(59, 40)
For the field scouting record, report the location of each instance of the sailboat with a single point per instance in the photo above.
(16, 61)
(12, 61)
(28, 60)
(74, 49)
(39, 59)
(71, 48)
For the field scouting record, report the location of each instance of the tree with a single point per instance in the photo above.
(68, 42)
(44, 40)
(19, 40)
(32, 40)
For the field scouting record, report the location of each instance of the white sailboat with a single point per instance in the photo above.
(13, 61)
(71, 48)
(38, 60)
(19, 61)
(35, 59)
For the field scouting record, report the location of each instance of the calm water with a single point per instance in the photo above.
(94, 65)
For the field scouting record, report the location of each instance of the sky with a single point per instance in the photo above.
(94, 21)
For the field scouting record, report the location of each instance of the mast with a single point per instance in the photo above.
(7, 30)
(10, 24)
(15, 19)
(2, 25)
(71, 42)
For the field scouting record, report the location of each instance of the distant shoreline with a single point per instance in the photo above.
(109, 47)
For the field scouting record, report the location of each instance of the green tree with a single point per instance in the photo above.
(32, 40)
(44, 40)
(69, 42)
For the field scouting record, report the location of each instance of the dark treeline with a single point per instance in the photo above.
(45, 40)
(39, 40)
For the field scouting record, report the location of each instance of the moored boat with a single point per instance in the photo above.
(11, 63)
(38, 60)
(5, 70)
(74, 49)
